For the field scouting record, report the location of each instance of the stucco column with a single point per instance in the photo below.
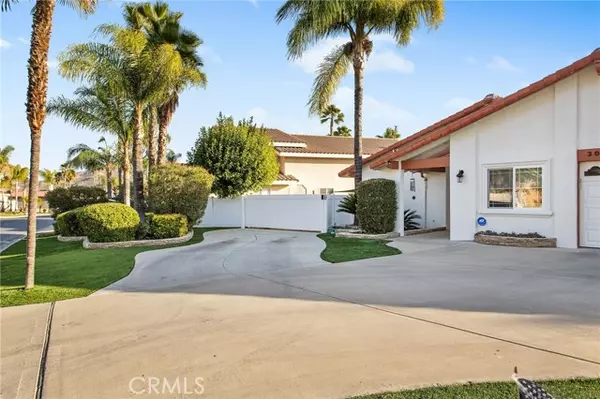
(400, 200)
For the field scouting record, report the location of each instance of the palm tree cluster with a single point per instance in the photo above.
(132, 88)
(12, 177)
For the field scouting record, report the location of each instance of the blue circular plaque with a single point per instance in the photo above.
(481, 221)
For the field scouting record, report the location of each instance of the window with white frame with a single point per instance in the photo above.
(514, 187)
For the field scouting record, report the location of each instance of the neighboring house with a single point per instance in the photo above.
(528, 162)
(310, 164)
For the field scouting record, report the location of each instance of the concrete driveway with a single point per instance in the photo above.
(257, 314)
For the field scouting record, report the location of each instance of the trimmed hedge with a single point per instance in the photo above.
(180, 189)
(67, 224)
(108, 222)
(168, 226)
(376, 205)
(61, 199)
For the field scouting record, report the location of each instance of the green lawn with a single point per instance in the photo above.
(65, 270)
(346, 249)
(559, 389)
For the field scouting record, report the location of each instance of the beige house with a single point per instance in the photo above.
(310, 164)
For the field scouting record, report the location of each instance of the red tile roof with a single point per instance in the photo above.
(489, 105)
(324, 144)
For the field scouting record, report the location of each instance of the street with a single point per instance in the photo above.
(14, 228)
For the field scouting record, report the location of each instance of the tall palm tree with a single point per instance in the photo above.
(358, 19)
(390, 133)
(103, 158)
(331, 114)
(101, 109)
(172, 156)
(140, 72)
(343, 131)
(36, 103)
(66, 175)
(5, 167)
(18, 175)
(162, 26)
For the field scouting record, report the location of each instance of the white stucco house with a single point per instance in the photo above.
(527, 162)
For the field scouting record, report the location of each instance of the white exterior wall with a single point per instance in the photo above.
(546, 128)
(316, 173)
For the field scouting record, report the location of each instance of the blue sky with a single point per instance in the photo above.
(482, 47)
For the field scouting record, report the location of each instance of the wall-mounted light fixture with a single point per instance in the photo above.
(460, 175)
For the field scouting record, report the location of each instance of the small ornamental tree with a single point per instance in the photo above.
(239, 156)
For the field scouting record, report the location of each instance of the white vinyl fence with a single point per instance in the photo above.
(288, 212)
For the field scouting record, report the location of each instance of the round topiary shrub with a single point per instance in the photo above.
(108, 222)
(181, 189)
(168, 226)
(67, 224)
(376, 205)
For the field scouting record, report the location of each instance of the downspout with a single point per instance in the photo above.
(424, 176)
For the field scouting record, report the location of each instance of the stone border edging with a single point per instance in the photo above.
(127, 244)
(350, 234)
(523, 242)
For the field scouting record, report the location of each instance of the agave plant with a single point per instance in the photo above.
(348, 204)
(410, 220)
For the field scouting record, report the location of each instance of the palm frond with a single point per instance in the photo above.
(330, 72)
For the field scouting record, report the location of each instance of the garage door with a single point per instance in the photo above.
(590, 204)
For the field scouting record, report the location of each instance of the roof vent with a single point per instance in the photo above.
(490, 97)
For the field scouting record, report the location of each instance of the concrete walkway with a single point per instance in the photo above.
(257, 314)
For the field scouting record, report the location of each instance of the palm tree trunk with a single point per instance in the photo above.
(37, 89)
(126, 175)
(138, 164)
(331, 126)
(152, 137)
(163, 123)
(359, 65)
(108, 172)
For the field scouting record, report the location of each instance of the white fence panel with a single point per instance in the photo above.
(289, 212)
(335, 218)
(292, 212)
(223, 213)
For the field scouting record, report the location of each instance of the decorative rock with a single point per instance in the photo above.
(423, 231)
(516, 241)
(357, 234)
(71, 239)
(138, 243)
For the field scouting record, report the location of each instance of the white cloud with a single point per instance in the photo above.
(388, 60)
(259, 114)
(23, 40)
(502, 64)
(4, 43)
(372, 108)
(254, 2)
(210, 55)
(471, 60)
(53, 63)
(378, 61)
(458, 103)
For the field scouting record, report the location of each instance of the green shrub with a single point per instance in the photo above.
(241, 157)
(108, 222)
(376, 205)
(67, 224)
(181, 189)
(168, 226)
(410, 220)
(64, 199)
